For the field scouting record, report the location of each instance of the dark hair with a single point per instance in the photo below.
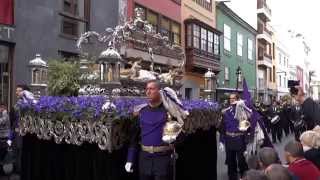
(277, 171)
(156, 82)
(268, 156)
(294, 148)
(253, 174)
(3, 103)
(23, 87)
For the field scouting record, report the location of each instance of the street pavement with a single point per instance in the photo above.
(222, 168)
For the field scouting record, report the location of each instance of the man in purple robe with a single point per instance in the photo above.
(234, 140)
(154, 154)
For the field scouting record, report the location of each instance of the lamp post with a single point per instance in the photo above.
(209, 84)
(39, 70)
(110, 62)
(238, 73)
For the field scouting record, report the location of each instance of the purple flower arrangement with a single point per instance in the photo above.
(84, 107)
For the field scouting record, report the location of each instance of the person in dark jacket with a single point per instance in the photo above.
(310, 109)
(310, 141)
(276, 129)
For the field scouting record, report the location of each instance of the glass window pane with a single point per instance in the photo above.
(79, 6)
(250, 49)
(203, 39)
(196, 36)
(189, 35)
(195, 42)
(210, 42)
(176, 32)
(217, 45)
(210, 36)
(165, 23)
(165, 27)
(176, 28)
(227, 37)
(227, 31)
(196, 30)
(239, 44)
(227, 44)
(73, 27)
(4, 73)
(226, 73)
(67, 7)
(152, 18)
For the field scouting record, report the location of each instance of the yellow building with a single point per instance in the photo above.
(201, 42)
(266, 70)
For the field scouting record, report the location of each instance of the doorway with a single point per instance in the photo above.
(5, 74)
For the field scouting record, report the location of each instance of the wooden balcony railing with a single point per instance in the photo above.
(205, 4)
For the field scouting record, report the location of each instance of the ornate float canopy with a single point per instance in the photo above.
(132, 75)
(111, 84)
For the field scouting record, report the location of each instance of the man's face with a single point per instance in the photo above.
(19, 92)
(299, 97)
(152, 92)
(232, 98)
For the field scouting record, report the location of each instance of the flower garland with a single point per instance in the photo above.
(76, 120)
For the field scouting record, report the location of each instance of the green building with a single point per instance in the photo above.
(238, 49)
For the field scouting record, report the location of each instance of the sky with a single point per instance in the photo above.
(302, 17)
(298, 15)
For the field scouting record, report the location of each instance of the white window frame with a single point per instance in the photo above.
(216, 45)
(239, 44)
(196, 36)
(227, 37)
(250, 49)
(226, 73)
(203, 39)
(210, 41)
(280, 80)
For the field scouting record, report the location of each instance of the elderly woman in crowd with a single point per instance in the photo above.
(310, 141)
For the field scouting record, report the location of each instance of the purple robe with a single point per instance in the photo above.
(148, 130)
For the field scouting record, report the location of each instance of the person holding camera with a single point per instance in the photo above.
(310, 109)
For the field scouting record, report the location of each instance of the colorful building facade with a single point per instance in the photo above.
(201, 41)
(238, 50)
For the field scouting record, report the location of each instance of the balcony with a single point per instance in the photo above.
(263, 58)
(201, 60)
(264, 12)
(205, 4)
(135, 46)
(264, 34)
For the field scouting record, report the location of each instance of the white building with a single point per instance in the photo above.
(299, 65)
(282, 58)
(292, 72)
(315, 89)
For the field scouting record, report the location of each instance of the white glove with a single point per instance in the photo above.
(168, 139)
(221, 147)
(9, 142)
(128, 167)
